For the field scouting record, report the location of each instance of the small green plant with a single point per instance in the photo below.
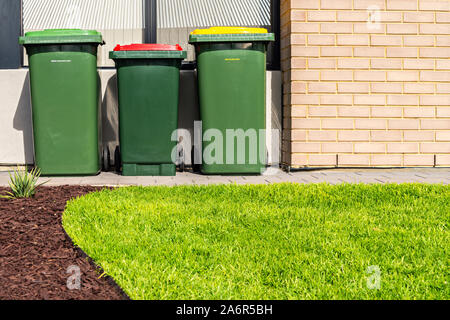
(23, 184)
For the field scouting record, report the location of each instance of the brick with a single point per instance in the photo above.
(418, 160)
(418, 17)
(401, 5)
(376, 40)
(299, 111)
(298, 87)
(303, 147)
(338, 99)
(401, 52)
(390, 16)
(321, 63)
(305, 99)
(443, 64)
(335, 52)
(401, 28)
(443, 136)
(409, 112)
(443, 17)
(402, 148)
(442, 160)
(369, 52)
(443, 112)
(322, 87)
(387, 112)
(305, 51)
(386, 87)
(371, 28)
(337, 124)
(418, 64)
(305, 123)
(299, 160)
(353, 63)
(434, 29)
(298, 15)
(386, 135)
(434, 53)
(351, 87)
(402, 75)
(305, 75)
(433, 147)
(353, 135)
(337, 75)
(298, 63)
(435, 124)
(386, 160)
(353, 40)
(298, 135)
(402, 100)
(442, 87)
(365, 4)
(337, 147)
(435, 76)
(333, 4)
(322, 160)
(370, 76)
(324, 112)
(443, 41)
(321, 15)
(370, 147)
(353, 16)
(354, 160)
(403, 124)
(418, 41)
(298, 39)
(354, 112)
(370, 100)
(305, 4)
(418, 135)
(418, 88)
(322, 135)
(305, 27)
(386, 63)
(373, 124)
(321, 40)
(336, 28)
(435, 100)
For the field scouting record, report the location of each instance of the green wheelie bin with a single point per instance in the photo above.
(148, 77)
(231, 65)
(65, 100)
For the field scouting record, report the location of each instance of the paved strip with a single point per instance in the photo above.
(333, 176)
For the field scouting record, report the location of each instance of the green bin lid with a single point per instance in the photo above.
(61, 36)
(231, 34)
(148, 51)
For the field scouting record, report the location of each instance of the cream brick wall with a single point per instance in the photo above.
(364, 94)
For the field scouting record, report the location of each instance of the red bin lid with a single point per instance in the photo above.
(148, 47)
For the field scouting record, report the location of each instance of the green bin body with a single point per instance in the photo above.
(232, 95)
(148, 81)
(65, 100)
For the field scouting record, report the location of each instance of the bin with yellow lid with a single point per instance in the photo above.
(232, 94)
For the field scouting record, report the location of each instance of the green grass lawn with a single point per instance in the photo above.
(284, 241)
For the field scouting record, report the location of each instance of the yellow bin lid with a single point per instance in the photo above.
(229, 30)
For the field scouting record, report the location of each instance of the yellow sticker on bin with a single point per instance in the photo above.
(229, 30)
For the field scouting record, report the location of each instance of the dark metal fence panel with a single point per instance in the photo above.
(10, 30)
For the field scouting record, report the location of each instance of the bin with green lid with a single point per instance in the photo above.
(65, 100)
(232, 91)
(148, 77)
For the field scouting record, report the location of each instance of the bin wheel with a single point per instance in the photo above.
(195, 166)
(106, 158)
(117, 160)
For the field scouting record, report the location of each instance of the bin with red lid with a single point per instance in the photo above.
(148, 78)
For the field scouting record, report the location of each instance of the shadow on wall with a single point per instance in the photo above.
(23, 120)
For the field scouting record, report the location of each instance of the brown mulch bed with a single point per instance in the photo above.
(35, 252)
